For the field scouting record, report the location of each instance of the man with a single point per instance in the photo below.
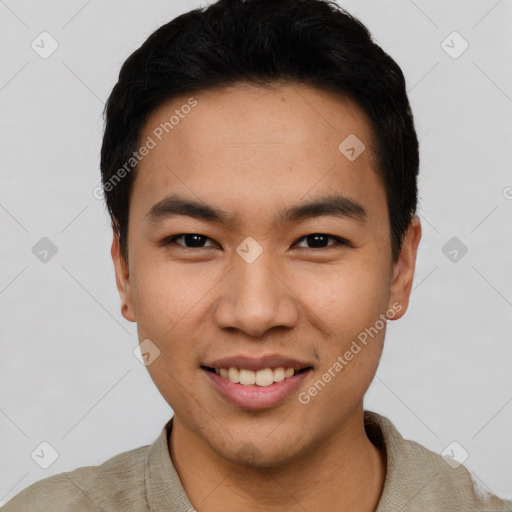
(259, 164)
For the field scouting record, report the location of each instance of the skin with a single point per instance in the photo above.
(253, 151)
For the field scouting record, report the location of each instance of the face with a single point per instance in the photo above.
(255, 238)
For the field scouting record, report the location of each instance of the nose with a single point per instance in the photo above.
(255, 297)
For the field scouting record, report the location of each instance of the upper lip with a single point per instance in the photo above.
(259, 363)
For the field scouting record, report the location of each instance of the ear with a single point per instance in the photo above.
(403, 269)
(122, 280)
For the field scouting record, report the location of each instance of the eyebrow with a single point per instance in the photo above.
(335, 205)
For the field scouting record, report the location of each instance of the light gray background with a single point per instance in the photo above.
(68, 375)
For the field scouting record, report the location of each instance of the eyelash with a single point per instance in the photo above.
(339, 241)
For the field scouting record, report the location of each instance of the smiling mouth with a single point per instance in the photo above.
(264, 377)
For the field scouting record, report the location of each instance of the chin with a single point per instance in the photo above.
(262, 455)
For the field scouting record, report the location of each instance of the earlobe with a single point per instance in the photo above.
(122, 280)
(403, 269)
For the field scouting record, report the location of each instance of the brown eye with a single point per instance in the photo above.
(320, 241)
(191, 240)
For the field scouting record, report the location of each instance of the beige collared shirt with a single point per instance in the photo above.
(144, 479)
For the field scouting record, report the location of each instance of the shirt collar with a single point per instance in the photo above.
(164, 491)
(408, 472)
(396, 493)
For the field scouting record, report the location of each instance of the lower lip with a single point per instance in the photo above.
(253, 396)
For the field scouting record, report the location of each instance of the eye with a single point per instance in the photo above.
(192, 240)
(319, 241)
(197, 241)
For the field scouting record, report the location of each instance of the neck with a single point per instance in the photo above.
(345, 472)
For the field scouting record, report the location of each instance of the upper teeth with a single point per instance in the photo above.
(264, 377)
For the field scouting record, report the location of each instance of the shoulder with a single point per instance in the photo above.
(419, 479)
(118, 482)
(451, 482)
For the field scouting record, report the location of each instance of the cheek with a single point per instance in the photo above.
(348, 304)
(347, 299)
(165, 293)
(167, 303)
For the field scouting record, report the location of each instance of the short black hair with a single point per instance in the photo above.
(264, 42)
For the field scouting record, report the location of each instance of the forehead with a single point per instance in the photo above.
(251, 148)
